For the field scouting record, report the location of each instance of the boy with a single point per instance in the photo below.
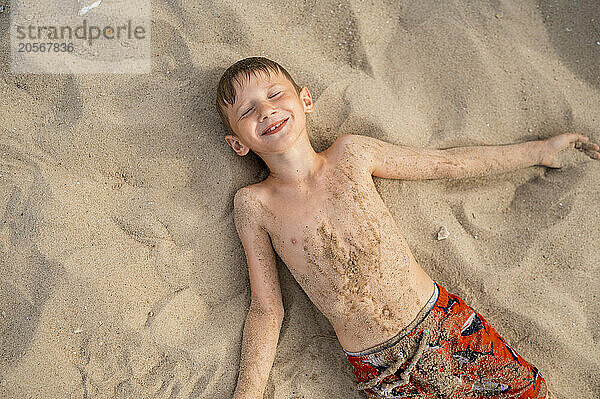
(403, 333)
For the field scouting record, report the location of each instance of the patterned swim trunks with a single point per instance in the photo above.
(448, 351)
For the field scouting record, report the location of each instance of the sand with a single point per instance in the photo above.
(121, 271)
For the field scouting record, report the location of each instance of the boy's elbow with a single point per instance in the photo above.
(272, 312)
(277, 314)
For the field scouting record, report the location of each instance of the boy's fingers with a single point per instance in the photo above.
(577, 138)
(590, 149)
(593, 154)
(587, 146)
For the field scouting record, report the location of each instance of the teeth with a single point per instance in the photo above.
(274, 127)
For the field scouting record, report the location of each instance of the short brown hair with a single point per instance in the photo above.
(243, 68)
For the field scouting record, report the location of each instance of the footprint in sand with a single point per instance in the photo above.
(172, 264)
(115, 363)
(27, 277)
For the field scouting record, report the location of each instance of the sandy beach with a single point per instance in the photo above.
(121, 272)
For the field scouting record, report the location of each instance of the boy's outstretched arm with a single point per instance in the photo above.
(392, 161)
(263, 322)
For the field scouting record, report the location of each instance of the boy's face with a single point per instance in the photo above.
(262, 102)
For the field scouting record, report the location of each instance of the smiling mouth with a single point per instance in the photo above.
(275, 128)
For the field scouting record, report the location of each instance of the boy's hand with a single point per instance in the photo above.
(551, 146)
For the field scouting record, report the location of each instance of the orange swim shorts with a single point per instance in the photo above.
(448, 351)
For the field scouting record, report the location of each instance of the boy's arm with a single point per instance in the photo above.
(392, 161)
(263, 322)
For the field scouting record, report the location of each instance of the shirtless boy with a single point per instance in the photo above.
(403, 333)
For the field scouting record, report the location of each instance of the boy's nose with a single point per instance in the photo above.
(266, 110)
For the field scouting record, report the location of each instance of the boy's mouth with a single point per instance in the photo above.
(274, 128)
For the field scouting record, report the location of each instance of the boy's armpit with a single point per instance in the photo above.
(260, 256)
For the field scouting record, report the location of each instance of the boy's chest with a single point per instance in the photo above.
(331, 229)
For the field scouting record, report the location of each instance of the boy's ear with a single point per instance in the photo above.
(307, 102)
(235, 143)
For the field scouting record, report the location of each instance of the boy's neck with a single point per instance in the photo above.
(299, 164)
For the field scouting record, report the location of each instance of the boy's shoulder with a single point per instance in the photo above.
(248, 197)
(251, 200)
(354, 150)
(247, 209)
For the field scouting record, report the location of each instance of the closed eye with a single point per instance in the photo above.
(249, 109)
(275, 94)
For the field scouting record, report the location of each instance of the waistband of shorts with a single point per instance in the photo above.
(405, 331)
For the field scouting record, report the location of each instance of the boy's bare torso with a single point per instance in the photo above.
(342, 245)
